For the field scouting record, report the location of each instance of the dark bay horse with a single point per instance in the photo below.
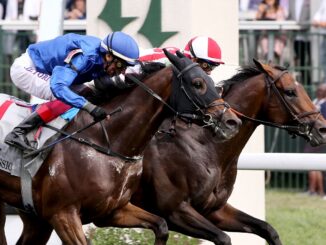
(78, 185)
(187, 179)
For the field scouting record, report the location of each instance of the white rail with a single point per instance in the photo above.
(33, 25)
(272, 25)
(282, 161)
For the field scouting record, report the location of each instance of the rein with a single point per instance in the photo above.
(104, 150)
(302, 128)
(206, 118)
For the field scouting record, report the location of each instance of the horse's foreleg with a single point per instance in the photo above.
(131, 216)
(35, 231)
(68, 225)
(229, 218)
(188, 221)
(3, 240)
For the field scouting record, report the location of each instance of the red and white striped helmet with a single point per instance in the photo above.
(204, 48)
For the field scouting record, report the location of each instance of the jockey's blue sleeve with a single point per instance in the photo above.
(61, 79)
(64, 76)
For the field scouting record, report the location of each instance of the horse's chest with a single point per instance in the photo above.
(220, 190)
(223, 189)
(125, 179)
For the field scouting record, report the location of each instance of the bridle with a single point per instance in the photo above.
(302, 128)
(205, 118)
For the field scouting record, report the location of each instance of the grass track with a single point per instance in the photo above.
(299, 219)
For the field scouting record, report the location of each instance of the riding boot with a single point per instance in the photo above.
(17, 137)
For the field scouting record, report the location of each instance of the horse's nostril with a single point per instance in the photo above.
(233, 123)
(322, 130)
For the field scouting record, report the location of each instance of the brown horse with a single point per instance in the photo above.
(78, 184)
(188, 179)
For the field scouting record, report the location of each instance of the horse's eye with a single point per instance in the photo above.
(197, 84)
(290, 93)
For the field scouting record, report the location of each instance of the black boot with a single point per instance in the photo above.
(17, 137)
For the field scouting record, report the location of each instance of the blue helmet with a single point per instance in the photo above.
(122, 46)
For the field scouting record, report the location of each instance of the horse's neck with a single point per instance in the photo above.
(142, 114)
(246, 97)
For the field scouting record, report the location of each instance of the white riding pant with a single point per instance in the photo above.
(24, 75)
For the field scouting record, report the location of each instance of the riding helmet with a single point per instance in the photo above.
(122, 46)
(204, 48)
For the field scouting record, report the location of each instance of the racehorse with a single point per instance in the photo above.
(78, 184)
(187, 179)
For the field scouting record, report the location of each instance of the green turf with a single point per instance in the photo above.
(116, 236)
(299, 219)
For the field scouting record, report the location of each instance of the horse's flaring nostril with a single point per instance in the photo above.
(232, 123)
(322, 130)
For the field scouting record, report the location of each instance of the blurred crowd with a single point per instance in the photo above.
(312, 22)
(30, 9)
(75, 9)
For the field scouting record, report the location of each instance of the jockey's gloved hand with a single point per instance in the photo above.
(97, 112)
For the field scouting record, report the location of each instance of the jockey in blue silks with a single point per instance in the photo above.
(49, 68)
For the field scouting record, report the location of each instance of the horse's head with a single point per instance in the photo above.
(288, 103)
(195, 97)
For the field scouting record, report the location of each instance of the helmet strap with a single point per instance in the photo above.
(109, 42)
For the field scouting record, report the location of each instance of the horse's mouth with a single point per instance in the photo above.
(227, 127)
(224, 133)
(317, 137)
(316, 141)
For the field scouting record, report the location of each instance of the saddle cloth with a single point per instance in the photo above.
(12, 112)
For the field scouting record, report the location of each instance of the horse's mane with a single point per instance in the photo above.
(112, 89)
(148, 68)
(244, 73)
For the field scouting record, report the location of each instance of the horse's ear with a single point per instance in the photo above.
(263, 68)
(174, 59)
(180, 55)
(259, 65)
(219, 90)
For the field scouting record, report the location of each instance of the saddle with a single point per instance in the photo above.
(12, 112)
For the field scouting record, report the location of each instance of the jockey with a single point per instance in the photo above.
(49, 68)
(201, 49)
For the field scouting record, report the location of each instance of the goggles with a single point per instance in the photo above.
(120, 64)
(207, 67)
